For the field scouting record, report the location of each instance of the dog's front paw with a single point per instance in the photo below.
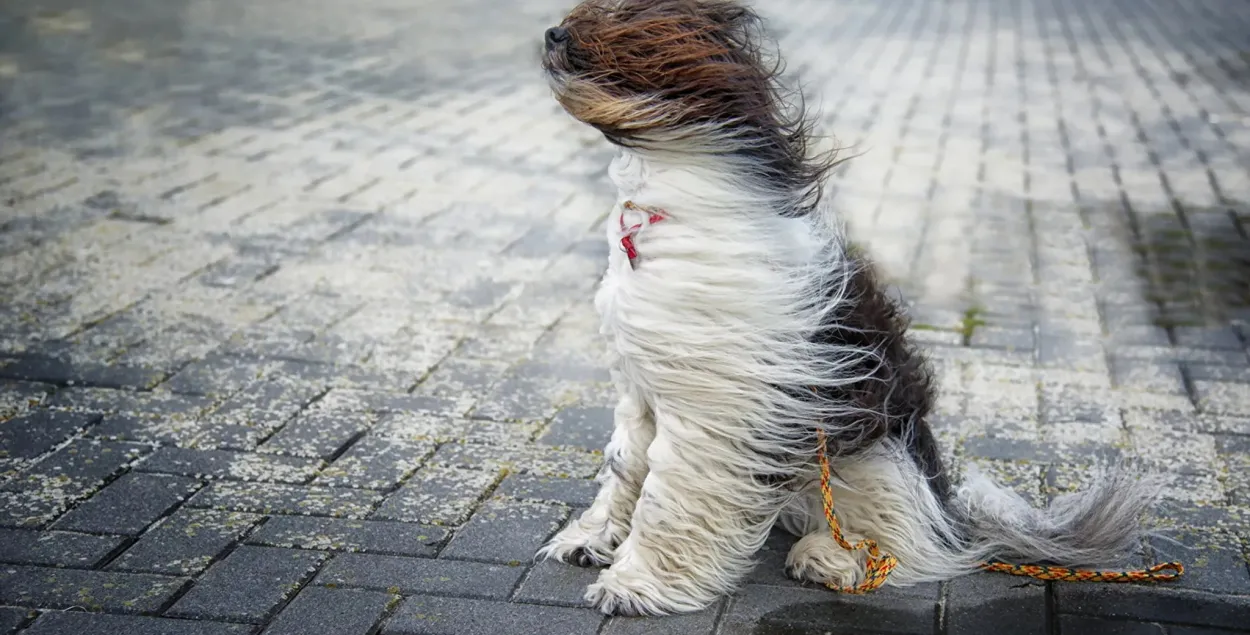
(626, 592)
(817, 558)
(578, 546)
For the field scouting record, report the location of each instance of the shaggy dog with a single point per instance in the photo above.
(740, 323)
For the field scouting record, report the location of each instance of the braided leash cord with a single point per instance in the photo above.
(879, 565)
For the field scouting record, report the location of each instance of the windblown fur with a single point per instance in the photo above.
(744, 326)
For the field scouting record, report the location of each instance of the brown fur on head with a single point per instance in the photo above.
(686, 76)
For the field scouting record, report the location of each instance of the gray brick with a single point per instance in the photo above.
(92, 590)
(334, 534)
(887, 610)
(456, 616)
(217, 375)
(55, 548)
(420, 575)
(17, 397)
(76, 623)
(1118, 601)
(129, 504)
(437, 496)
(376, 463)
(267, 498)
(71, 473)
(992, 603)
(587, 428)
(570, 491)
(248, 585)
(1214, 561)
(185, 543)
(554, 582)
(154, 404)
(318, 434)
(1081, 625)
(338, 611)
(11, 618)
(245, 466)
(506, 532)
(35, 433)
(700, 623)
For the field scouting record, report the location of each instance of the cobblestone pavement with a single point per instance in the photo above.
(296, 329)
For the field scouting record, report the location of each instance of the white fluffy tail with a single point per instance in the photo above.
(1100, 525)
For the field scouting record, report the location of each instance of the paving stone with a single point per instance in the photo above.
(1214, 561)
(570, 491)
(344, 399)
(419, 575)
(11, 618)
(318, 434)
(423, 615)
(51, 370)
(506, 531)
(1122, 602)
(55, 548)
(155, 404)
(268, 498)
(185, 543)
(376, 463)
(248, 585)
(69, 474)
(333, 534)
(700, 623)
(1081, 625)
(586, 428)
(889, 610)
(74, 623)
(129, 504)
(92, 590)
(217, 375)
(554, 582)
(437, 496)
(19, 396)
(245, 466)
(984, 602)
(323, 610)
(33, 434)
(531, 459)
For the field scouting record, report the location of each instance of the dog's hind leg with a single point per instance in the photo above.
(699, 520)
(591, 539)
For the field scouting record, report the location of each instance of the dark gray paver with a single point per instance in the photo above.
(570, 491)
(11, 618)
(554, 582)
(77, 623)
(41, 492)
(1152, 604)
(700, 623)
(1081, 625)
(129, 504)
(185, 543)
(248, 585)
(588, 428)
(889, 610)
(245, 466)
(34, 433)
(506, 531)
(268, 498)
(339, 611)
(423, 615)
(318, 434)
(336, 534)
(987, 602)
(55, 548)
(375, 463)
(420, 575)
(437, 495)
(93, 590)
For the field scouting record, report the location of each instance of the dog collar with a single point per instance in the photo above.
(628, 232)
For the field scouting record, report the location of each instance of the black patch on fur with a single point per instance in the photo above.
(898, 390)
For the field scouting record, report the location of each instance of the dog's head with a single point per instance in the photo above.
(684, 76)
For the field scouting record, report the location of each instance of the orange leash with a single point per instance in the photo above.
(879, 565)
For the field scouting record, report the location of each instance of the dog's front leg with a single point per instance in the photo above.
(591, 539)
(698, 522)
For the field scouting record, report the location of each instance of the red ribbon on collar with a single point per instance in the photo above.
(627, 237)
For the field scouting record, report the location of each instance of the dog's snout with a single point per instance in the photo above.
(556, 35)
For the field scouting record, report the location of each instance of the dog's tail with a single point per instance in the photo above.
(1099, 525)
